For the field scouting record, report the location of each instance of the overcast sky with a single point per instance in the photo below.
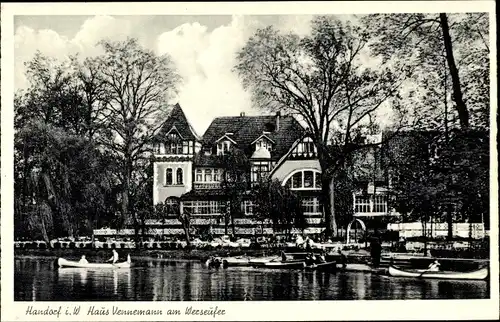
(203, 48)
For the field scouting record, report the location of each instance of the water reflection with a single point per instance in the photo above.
(39, 279)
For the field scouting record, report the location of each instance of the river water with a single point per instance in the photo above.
(39, 279)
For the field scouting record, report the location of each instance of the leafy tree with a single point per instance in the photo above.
(234, 184)
(136, 84)
(60, 174)
(321, 79)
(279, 204)
(419, 39)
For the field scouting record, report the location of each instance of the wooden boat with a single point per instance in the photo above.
(479, 274)
(322, 266)
(236, 261)
(260, 261)
(66, 263)
(287, 264)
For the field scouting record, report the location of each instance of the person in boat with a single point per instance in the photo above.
(310, 259)
(83, 260)
(375, 251)
(434, 266)
(283, 256)
(321, 258)
(343, 258)
(115, 257)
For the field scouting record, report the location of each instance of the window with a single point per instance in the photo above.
(208, 175)
(259, 170)
(169, 177)
(380, 203)
(173, 148)
(179, 176)
(264, 143)
(305, 148)
(362, 204)
(305, 179)
(223, 147)
(317, 180)
(297, 180)
(247, 207)
(173, 137)
(185, 147)
(156, 148)
(199, 175)
(172, 205)
(308, 179)
(204, 207)
(311, 205)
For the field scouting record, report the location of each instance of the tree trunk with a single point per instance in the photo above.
(463, 113)
(328, 201)
(449, 220)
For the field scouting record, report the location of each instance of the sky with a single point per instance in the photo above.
(202, 47)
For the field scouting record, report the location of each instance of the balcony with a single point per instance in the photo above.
(209, 185)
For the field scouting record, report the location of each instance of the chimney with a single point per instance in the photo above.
(278, 115)
(242, 114)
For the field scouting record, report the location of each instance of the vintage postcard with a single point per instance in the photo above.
(252, 161)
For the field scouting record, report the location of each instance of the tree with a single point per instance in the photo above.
(416, 39)
(278, 204)
(321, 79)
(163, 211)
(451, 55)
(63, 182)
(234, 184)
(136, 84)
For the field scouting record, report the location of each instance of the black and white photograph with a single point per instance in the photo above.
(229, 157)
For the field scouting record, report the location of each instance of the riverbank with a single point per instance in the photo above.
(179, 254)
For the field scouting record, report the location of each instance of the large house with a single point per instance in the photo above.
(188, 167)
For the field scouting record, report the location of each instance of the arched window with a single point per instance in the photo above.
(179, 176)
(169, 177)
(304, 180)
(172, 205)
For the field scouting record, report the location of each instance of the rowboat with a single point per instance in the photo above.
(236, 261)
(479, 274)
(66, 263)
(288, 265)
(322, 266)
(260, 261)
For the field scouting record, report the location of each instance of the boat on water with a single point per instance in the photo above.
(479, 274)
(328, 266)
(260, 261)
(286, 264)
(67, 263)
(236, 261)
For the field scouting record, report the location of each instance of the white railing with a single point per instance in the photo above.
(415, 229)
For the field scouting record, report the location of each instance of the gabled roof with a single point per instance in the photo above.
(227, 137)
(264, 135)
(246, 129)
(177, 120)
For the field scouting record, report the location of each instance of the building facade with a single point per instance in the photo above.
(188, 169)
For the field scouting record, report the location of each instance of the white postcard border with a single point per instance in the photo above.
(266, 310)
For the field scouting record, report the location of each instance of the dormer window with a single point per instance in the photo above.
(223, 147)
(263, 141)
(224, 143)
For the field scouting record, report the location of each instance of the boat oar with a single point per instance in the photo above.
(427, 270)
